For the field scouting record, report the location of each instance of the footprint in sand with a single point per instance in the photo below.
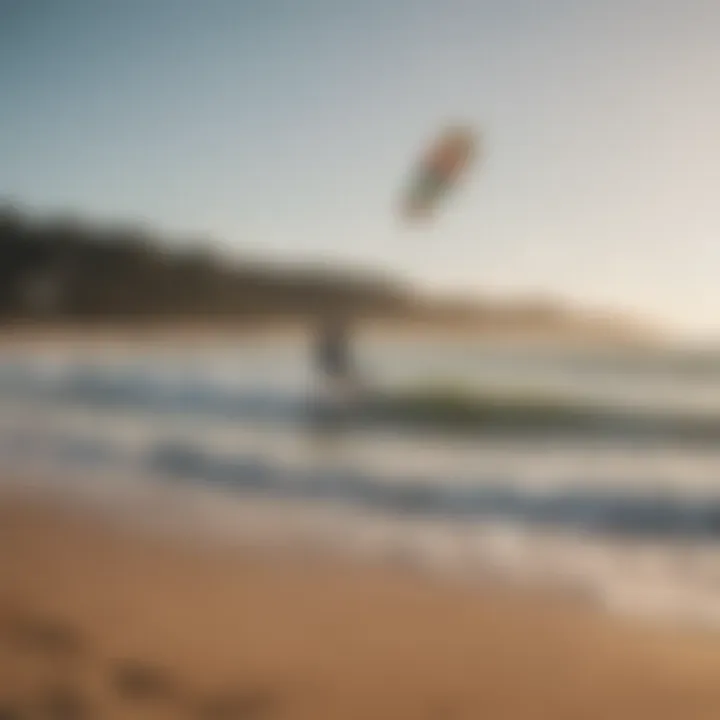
(442, 711)
(10, 712)
(48, 637)
(137, 680)
(242, 705)
(63, 703)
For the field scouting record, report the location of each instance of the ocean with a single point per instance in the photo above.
(219, 437)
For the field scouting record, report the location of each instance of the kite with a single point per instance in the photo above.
(439, 171)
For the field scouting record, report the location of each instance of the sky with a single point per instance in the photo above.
(286, 129)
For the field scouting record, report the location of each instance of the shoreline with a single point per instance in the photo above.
(29, 335)
(329, 639)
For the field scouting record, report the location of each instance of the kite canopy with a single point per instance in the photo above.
(438, 171)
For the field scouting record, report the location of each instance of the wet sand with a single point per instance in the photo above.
(100, 621)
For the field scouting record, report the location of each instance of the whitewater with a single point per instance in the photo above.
(218, 436)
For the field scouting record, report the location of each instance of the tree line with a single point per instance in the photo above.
(61, 268)
(65, 269)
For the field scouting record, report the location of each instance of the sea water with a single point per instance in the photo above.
(218, 436)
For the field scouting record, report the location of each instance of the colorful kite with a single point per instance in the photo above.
(439, 170)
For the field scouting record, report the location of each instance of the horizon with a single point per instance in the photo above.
(276, 130)
(100, 229)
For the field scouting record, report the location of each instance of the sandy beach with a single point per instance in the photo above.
(20, 337)
(99, 620)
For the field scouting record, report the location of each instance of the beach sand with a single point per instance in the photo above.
(101, 621)
(21, 337)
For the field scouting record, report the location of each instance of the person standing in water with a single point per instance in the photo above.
(333, 355)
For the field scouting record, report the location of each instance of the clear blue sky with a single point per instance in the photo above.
(287, 127)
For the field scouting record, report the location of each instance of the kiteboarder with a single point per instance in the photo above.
(332, 354)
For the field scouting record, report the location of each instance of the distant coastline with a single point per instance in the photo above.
(63, 277)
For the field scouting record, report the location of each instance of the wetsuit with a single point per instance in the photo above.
(333, 352)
